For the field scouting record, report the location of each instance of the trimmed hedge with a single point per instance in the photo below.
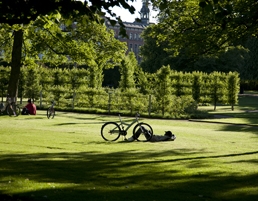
(170, 93)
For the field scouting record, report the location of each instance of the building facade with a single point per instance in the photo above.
(134, 30)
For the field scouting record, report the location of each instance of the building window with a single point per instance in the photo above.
(131, 36)
(130, 47)
(135, 48)
(135, 36)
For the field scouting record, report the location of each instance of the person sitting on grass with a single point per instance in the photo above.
(168, 136)
(30, 108)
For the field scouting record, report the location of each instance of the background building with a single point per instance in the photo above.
(134, 30)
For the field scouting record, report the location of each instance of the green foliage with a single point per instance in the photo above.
(182, 106)
(188, 26)
(128, 100)
(24, 12)
(250, 70)
(153, 52)
(31, 83)
(163, 88)
(54, 39)
(127, 71)
(77, 78)
(91, 97)
(58, 93)
(146, 82)
(4, 77)
(233, 88)
(181, 83)
(131, 99)
(166, 93)
(196, 86)
(217, 85)
(191, 38)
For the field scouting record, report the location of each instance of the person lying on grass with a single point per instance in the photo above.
(168, 136)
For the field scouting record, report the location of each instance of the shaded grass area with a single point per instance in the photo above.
(66, 159)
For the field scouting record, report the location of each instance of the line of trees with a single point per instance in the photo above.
(165, 92)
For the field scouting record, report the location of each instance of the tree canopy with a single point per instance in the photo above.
(25, 11)
(191, 33)
(20, 13)
(207, 30)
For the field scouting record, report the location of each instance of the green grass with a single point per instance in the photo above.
(65, 158)
(245, 112)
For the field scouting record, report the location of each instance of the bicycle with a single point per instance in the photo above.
(111, 131)
(10, 109)
(51, 110)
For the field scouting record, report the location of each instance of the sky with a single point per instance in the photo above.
(128, 17)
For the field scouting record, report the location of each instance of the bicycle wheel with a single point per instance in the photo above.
(51, 113)
(17, 110)
(10, 110)
(110, 131)
(143, 132)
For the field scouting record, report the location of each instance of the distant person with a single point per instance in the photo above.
(30, 108)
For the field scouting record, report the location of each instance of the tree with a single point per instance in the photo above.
(163, 88)
(3, 80)
(233, 18)
(154, 53)
(195, 36)
(31, 82)
(251, 65)
(20, 13)
(24, 11)
(127, 71)
(107, 51)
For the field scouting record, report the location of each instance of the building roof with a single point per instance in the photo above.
(137, 25)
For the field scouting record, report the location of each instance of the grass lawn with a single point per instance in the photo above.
(65, 158)
(245, 112)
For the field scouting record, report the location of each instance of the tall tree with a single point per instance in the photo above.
(192, 34)
(251, 64)
(163, 88)
(153, 52)
(127, 70)
(227, 23)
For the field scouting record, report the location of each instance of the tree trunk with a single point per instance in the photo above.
(15, 65)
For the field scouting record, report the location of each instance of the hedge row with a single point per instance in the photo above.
(164, 92)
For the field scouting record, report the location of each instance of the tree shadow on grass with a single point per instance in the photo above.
(233, 127)
(239, 128)
(128, 175)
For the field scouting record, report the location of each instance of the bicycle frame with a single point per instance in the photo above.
(52, 105)
(51, 110)
(129, 125)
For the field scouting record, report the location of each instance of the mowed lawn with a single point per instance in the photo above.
(65, 158)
